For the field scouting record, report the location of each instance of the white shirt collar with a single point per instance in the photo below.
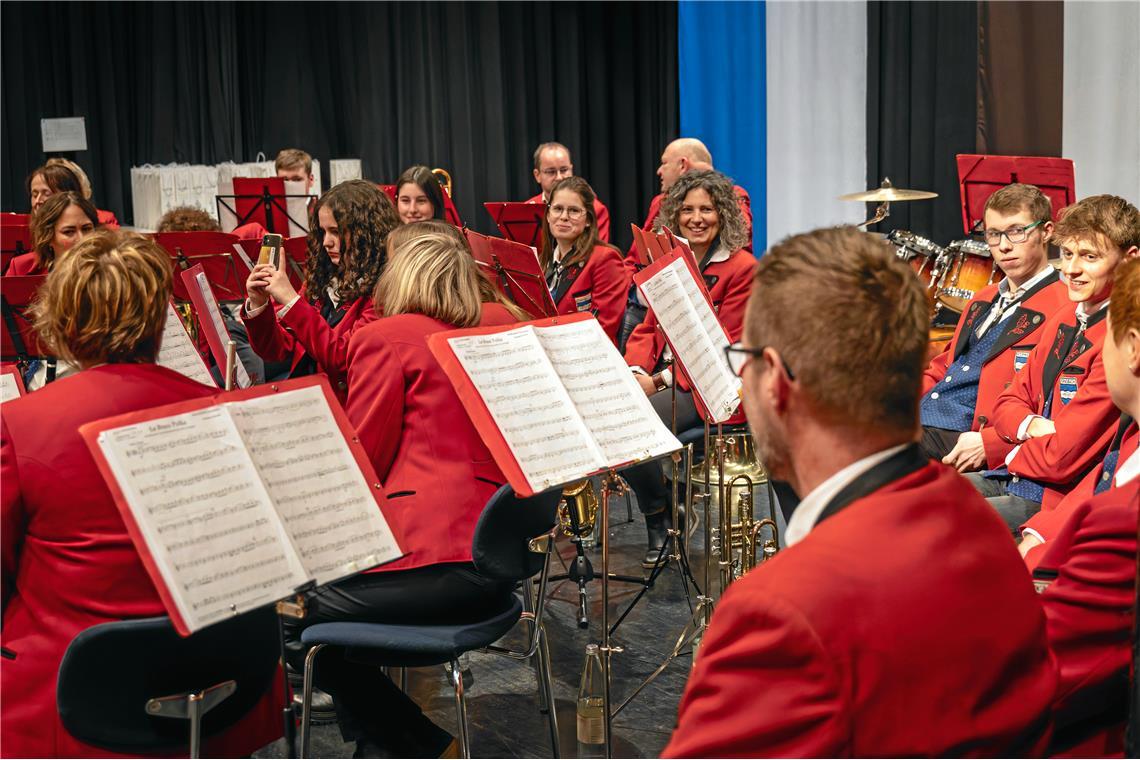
(560, 254)
(1004, 286)
(720, 254)
(812, 505)
(1128, 470)
(1083, 308)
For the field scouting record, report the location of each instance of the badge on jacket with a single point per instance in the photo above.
(584, 301)
(1068, 388)
(1020, 359)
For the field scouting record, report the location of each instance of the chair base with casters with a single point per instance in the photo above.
(513, 541)
(122, 684)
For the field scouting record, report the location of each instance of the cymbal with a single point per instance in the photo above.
(888, 195)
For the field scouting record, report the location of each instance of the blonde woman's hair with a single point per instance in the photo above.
(105, 301)
(431, 275)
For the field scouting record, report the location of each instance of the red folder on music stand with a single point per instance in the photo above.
(515, 270)
(450, 213)
(262, 200)
(520, 222)
(215, 252)
(15, 240)
(980, 176)
(18, 338)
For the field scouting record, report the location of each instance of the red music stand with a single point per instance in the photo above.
(520, 222)
(515, 271)
(262, 200)
(215, 252)
(11, 217)
(15, 240)
(450, 213)
(19, 340)
(980, 176)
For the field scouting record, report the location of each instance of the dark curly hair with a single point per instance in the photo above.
(365, 215)
(733, 231)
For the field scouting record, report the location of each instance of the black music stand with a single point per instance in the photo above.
(19, 341)
(520, 222)
(266, 195)
(15, 240)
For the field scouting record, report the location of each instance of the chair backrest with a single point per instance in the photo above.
(110, 671)
(499, 548)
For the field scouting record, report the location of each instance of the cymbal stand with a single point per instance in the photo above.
(881, 213)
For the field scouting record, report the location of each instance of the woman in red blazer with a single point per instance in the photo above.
(348, 229)
(59, 175)
(437, 475)
(67, 560)
(62, 221)
(583, 272)
(702, 207)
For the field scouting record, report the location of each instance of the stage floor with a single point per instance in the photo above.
(502, 703)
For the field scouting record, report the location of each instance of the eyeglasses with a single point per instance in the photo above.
(737, 357)
(573, 212)
(567, 170)
(1018, 234)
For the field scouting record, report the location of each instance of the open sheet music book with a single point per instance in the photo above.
(178, 353)
(674, 290)
(553, 400)
(235, 501)
(211, 322)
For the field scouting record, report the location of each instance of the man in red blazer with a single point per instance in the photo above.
(850, 642)
(552, 163)
(1055, 421)
(1088, 571)
(998, 329)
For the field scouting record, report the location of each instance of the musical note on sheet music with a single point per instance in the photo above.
(178, 353)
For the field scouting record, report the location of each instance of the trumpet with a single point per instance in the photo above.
(578, 509)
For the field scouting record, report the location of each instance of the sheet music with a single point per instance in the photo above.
(241, 377)
(607, 396)
(695, 335)
(8, 387)
(208, 520)
(242, 256)
(178, 353)
(528, 402)
(321, 495)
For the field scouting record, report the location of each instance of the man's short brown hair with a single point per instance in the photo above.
(1107, 216)
(291, 158)
(1011, 199)
(1124, 308)
(545, 147)
(106, 300)
(187, 219)
(850, 320)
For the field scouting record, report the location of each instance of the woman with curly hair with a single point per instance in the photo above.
(583, 272)
(701, 207)
(348, 228)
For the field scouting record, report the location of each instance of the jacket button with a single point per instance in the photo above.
(966, 368)
(948, 379)
(934, 395)
(342, 385)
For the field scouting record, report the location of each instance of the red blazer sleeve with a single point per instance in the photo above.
(1084, 431)
(12, 515)
(376, 399)
(1015, 403)
(762, 653)
(328, 347)
(1089, 607)
(266, 336)
(610, 285)
(603, 215)
(735, 300)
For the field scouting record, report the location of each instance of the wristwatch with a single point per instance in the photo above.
(659, 383)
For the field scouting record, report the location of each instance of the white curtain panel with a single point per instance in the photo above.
(1101, 113)
(817, 114)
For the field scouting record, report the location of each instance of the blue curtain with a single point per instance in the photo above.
(721, 72)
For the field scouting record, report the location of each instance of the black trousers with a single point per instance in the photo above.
(938, 442)
(369, 706)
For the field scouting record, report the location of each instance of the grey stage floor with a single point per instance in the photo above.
(502, 704)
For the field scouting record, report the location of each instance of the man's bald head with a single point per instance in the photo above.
(683, 155)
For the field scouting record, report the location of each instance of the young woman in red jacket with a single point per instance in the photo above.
(348, 229)
(437, 475)
(61, 221)
(67, 560)
(583, 272)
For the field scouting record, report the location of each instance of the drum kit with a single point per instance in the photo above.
(951, 274)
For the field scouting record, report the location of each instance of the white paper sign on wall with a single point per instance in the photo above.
(64, 134)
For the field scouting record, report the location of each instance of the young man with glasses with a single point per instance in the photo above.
(1056, 420)
(998, 329)
(552, 163)
(851, 642)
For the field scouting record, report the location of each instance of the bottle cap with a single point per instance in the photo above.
(591, 649)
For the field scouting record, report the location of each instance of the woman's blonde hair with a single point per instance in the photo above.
(106, 300)
(431, 275)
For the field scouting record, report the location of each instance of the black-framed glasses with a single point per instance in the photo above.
(1017, 234)
(737, 356)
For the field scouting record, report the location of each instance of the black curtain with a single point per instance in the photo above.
(470, 87)
(922, 62)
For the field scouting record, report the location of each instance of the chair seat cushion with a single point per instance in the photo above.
(412, 645)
